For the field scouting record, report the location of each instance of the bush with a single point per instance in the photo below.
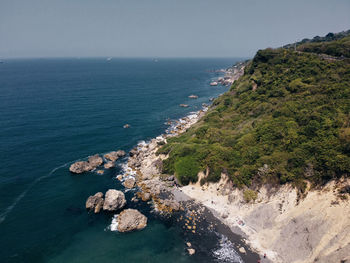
(299, 116)
(250, 195)
(186, 169)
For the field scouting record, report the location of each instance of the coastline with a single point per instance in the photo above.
(169, 199)
(277, 224)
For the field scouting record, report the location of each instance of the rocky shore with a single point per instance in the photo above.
(276, 225)
(143, 173)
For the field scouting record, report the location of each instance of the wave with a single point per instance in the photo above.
(226, 251)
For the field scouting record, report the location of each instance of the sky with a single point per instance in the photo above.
(162, 28)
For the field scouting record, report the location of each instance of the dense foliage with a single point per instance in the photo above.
(293, 126)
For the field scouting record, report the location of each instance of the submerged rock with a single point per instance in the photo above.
(95, 202)
(126, 126)
(114, 200)
(129, 182)
(100, 172)
(131, 219)
(191, 251)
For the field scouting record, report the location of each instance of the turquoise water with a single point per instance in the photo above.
(56, 111)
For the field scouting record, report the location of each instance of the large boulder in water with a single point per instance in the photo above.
(113, 156)
(95, 202)
(80, 167)
(85, 166)
(131, 219)
(114, 200)
(95, 160)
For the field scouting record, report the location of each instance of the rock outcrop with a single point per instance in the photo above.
(114, 200)
(115, 155)
(95, 160)
(95, 202)
(109, 165)
(129, 182)
(131, 219)
(80, 167)
(85, 166)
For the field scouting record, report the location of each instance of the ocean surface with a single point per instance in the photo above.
(56, 111)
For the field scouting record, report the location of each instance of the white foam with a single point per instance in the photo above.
(114, 224)
(226, 252)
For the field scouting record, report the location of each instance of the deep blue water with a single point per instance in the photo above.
(55, 111)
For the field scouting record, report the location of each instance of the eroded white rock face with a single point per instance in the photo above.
(114, 200)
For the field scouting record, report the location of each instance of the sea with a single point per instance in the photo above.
(54, 112)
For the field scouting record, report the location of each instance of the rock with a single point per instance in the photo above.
(129, 182)
(100, 172)
(113, 156)
(184, 105)
(95, 202)
(131, 219)
(214, 83)
(121, 153)
(193, 97)
(133, 152)
(145, 196)
(120, 177)
(85, 166)
(188, 244)
(114, 200)
(109, 165)
(126, 126)
(95, 160)
(134, 199)
(242, 250)
(191, 251)
(80, 167)
(170, 178)
(168, 205)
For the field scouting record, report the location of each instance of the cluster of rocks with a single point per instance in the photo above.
(151, 183)
(95, 161)
(84, 166)
(231, 75)
(128, 219)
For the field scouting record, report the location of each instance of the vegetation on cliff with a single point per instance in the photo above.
(286, 120)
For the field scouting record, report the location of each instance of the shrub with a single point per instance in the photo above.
(186, 169)
(250, 195)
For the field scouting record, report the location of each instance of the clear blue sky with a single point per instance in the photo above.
(162, 28)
